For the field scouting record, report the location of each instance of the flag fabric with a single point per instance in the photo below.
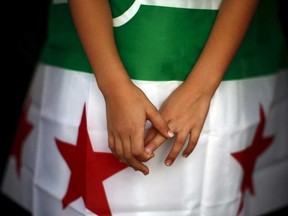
(60, 163)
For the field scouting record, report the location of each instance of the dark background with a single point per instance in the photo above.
(23, 38)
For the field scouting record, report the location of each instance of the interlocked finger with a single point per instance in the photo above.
(193, 139)
(137, 146)
(178, 144)
(130, 159)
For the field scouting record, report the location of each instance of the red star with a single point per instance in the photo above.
(247, 157)
(88, 171)
(23, 129)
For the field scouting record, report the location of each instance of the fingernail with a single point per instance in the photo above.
(170, 134)
(185, 155)
(148, 150)
(168, 163)
(151, 155)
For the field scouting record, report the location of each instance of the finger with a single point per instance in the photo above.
(176, 148)
(118, 149)
(159, 123)
(150, 135)
(137, 146)
(131, 160)
(157, 140)
(193, 139)
(111, 143)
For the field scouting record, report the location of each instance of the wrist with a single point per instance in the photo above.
(111, 76)
(110, 86)
(203, 82)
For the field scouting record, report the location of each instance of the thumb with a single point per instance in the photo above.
(159, 122)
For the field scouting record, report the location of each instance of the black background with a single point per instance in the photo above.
(24, 32)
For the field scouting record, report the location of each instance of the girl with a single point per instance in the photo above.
(197, 85)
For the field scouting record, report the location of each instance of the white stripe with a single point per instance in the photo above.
(127, 15)
(196, 4)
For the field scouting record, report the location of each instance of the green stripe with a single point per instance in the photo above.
(171, 56)
(161, 43)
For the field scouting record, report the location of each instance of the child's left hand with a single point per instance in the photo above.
(185, 110)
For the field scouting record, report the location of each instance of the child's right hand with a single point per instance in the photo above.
(128, 109)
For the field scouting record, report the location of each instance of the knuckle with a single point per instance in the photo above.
(180, 141)
(174, 126)
(134, 129)
(153, 144)
(111, 142)
(129, 157)
(133, 165)
(130, 128)
(193, 140)
(136, 152)
(171, 125)
(111, 146)
(122, 130)
(119, 154)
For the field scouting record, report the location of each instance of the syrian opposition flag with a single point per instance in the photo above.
(60, 163)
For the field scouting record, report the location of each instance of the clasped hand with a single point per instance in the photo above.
(183, 113)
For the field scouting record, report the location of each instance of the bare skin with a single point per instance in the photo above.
(186, 108)
(127, 107)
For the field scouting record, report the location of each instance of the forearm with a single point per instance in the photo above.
(93, 22)
(229, 29)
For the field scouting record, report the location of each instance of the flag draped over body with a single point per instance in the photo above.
(60, 163)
